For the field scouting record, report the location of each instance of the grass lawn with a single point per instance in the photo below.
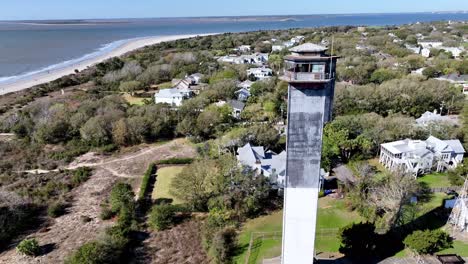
(459, 248)
(268, 248)
(332, 214)
(133, 100)
(436, 180)
(163, 181)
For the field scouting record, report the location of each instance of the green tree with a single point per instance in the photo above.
(224, 245)
(428, 241)
(358, 241)
(162, 216)
(130, 86)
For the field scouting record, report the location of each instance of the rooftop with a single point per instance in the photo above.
(308, 47)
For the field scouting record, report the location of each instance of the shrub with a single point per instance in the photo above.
(175, 161)
(93, 253)
(121, 195)
(146, 180)
(56, 209)
(80, 175)
(29, 247)
(161, 216)
(224, 245)
(428, 241)
(321, 194)
(106, 213)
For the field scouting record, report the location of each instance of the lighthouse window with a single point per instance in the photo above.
(318, 68)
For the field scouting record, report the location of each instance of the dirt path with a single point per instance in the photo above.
(70, 231)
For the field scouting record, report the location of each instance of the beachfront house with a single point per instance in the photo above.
(172, 96)
(262, 73)
(257, 59)
(419, 157)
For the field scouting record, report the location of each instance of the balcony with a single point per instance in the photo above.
(305, 77)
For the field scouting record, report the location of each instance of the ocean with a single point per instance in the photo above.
(30, 47)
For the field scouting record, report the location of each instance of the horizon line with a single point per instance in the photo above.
(240, 16)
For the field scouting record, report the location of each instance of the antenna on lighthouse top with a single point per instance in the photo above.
(331, 56)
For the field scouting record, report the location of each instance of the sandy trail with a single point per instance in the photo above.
(70, 231)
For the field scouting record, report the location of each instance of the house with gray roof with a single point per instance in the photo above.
(429, 118)
(237, 107)
(267, 163)
(419, 157)
(172, 96)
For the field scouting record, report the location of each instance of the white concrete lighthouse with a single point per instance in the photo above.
(311, 77)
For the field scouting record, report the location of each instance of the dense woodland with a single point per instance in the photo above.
(377, 100)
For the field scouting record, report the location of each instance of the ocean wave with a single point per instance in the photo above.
(104, 49)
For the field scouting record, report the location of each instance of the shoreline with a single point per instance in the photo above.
(45, 77)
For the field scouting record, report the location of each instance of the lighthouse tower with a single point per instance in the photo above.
(311, 77)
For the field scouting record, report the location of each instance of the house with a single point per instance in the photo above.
(245, 84)
(172, 96)
(418, 71)
(181, 84)
(257, 58)
(243, 48)
(243, 94)
(429, 118)
(426, 53)
(430, 44)
(456, 52)
(297, 39)
(237, 107)
(288, 44)
(419, 157)
(414, 49)
(195, 78)
(278, 47)
(268, 164)
(458, 79)
(260, 73)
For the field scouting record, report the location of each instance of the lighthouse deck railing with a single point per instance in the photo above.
(306, 76)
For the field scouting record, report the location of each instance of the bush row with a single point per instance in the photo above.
(175, 161)
(146, 181)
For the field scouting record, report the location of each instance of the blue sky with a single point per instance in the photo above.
(69, 9)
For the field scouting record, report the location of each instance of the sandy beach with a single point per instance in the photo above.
(51, 75)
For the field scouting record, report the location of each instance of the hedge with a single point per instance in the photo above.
(175, 161)
(146, 181)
